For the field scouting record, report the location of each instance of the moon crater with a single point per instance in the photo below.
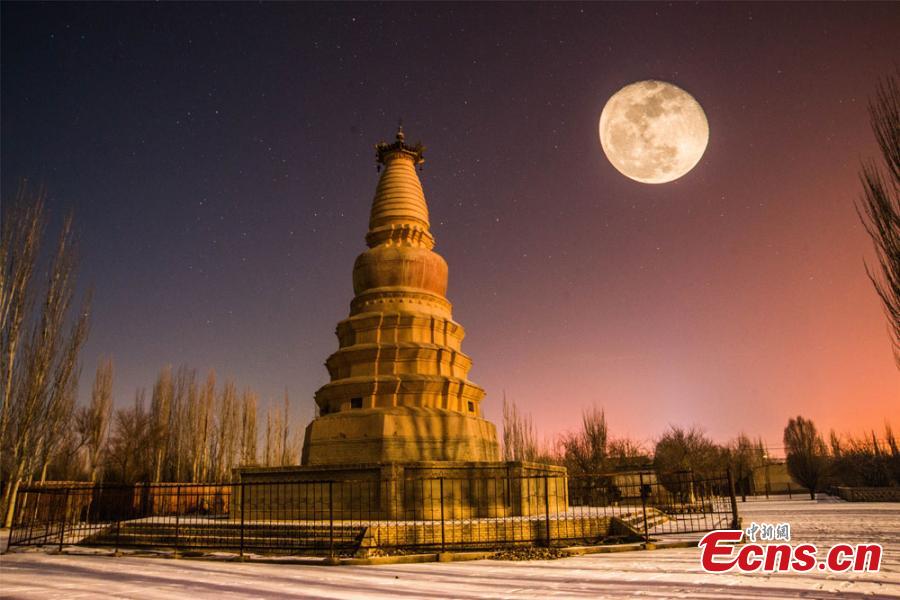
(653, 131)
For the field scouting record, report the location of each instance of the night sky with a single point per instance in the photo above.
(219, 161)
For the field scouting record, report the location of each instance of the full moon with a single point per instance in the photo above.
(653, 131)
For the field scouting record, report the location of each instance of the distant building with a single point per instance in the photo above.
(774, 478)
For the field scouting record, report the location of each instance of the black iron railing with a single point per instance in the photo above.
(344, 517)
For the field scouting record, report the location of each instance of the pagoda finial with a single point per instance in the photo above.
(385, 151)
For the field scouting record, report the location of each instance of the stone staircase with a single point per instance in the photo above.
(633, 521)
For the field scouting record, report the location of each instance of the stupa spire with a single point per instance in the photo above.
(383, 150)
(399, 211)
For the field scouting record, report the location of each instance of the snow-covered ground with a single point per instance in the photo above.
(655, 574)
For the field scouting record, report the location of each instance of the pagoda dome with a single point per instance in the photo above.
(400, 266)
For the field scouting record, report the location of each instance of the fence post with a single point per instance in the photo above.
(331, 519)
(547, 506)
(118, 530)
(508, 488)
(12, 527)
(177, 511)
(33, 518)
(734, 510)
(644, 508)
(62, 523)
(243, 505)
(443, 545)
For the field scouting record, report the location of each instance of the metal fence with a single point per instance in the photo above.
(786, 492)
(360, 517)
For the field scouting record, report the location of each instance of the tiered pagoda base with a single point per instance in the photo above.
(399, 434)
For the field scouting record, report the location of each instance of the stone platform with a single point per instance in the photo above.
(362, 538)
(418, 491)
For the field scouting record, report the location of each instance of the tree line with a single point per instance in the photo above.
(192, 430)
(844, 461)
(591, 449)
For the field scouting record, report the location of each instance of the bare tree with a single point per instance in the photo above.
(129, 456)
(587, 451)
(21, 229)
(519, 436)
(282, 445)
(193, 426)
(864, 461)
(55, 427)
(248, 428)
(894, 455)
(270, 451)
(93, 421)
(177, 432)
(879, 208)
(807, 458)
(227, 432)
(626, 453)
(201, 420)
(682, 455)
(744, 457)
(68, 461)
(160, 417)
(290, 439)
(46, 372)
(680, 449)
